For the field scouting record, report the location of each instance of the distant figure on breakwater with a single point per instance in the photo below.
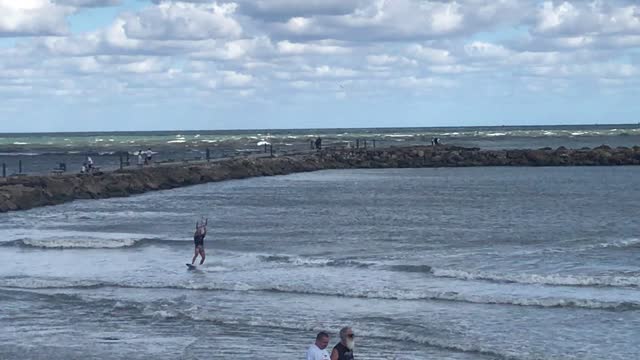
(148, 155)
(89, 163)
(319, 143)
(140, 159)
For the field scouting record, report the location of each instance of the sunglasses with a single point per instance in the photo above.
(350, 336)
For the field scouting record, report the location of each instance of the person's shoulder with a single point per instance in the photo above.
(312, 351)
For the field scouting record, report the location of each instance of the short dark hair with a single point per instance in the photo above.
(322, 334)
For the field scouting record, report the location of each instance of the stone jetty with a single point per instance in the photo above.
(26, 192)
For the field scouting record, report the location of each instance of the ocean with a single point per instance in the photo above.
(455, 263)
(39, 153)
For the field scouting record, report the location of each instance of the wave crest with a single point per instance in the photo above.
(533, 279)
(384, 294)
(546, 279)
(295, 260)
(73, 243)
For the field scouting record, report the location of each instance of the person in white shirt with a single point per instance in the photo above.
(318, 351)
(89, 163)
(148, 154)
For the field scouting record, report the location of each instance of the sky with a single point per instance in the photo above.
(91, 65)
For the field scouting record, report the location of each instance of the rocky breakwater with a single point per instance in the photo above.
(453, 156)
(20, 193)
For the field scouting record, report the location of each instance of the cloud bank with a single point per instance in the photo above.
(287, 55)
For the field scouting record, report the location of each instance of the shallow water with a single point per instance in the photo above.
(477, 263)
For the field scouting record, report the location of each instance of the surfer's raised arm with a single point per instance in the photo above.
(203, 229)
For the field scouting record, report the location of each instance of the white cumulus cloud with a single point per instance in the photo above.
(283, 50)
(33, 17)
(89, 3)
(183, 21)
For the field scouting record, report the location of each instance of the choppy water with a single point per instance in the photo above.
(40, 153)
(477, 263)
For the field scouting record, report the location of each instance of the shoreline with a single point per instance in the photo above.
(27, 192)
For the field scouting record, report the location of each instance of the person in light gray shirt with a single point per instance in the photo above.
(318, 350)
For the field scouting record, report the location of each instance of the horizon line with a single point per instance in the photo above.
(317, 128)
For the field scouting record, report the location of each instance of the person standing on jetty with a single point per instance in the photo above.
(148, 156)
(198, 239)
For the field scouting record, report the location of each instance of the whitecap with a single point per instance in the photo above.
(542, 279)
(19, 154)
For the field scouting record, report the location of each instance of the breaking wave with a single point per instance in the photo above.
(613, 244)
(79, 243)
(383, 294)
(537, 279)
(296, 260)
(546, 279)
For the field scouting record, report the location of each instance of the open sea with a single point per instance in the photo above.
(521, 263)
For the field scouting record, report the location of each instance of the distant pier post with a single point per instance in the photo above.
(374, 144)
(365, 144)
(19, 166)
(4, 170)
(208, 155)
(265, 148)
(121, 162)
(128, 163)
(271, 149)
(357, 143)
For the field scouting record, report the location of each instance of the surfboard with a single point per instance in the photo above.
(191, 267)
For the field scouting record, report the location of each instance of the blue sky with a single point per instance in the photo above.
(95, 18)
(81, 65)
